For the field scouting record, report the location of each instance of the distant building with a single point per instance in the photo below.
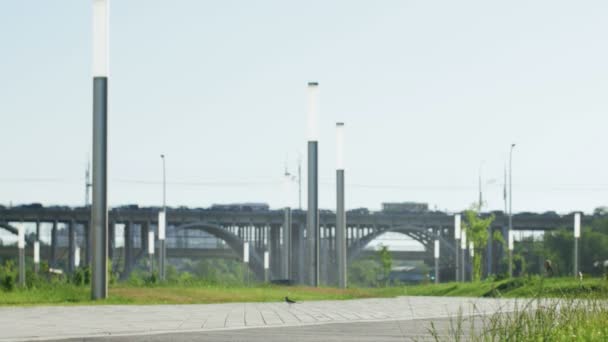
(405, 207)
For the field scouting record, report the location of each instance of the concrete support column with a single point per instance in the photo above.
(87, 242)
(145, 228)
(302, 255)
(53, 257)
(128, 249)
(275, 254)
(71, 246)
(287, 250)
(112, 240)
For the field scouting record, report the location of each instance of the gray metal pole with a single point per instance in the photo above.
(313, 214)
(463, 262)
(161, 243)
(99, 207)
(489, 252)
(341, 231)
(287, 250)
(575, 257)
(22, 267)
(511, 206)
(457, 259)
(436, 270)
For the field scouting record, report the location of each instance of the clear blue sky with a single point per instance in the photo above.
(427, 90)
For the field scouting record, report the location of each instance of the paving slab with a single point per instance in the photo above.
(63, 322)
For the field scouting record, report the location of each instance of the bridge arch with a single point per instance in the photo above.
(11, 229)
(420, 234)
(233, 241)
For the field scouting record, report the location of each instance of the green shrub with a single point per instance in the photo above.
(8, 275)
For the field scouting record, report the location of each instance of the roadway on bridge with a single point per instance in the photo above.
(185, 322)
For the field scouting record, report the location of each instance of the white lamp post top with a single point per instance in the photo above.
(100, 38)
(313, 111)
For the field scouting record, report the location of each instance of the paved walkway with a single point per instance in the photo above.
(63, 322)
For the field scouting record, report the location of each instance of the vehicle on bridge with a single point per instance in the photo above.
(404, 207)
(246, 207)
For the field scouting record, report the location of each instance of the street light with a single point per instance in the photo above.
(340, 207)
(457, 235)
(99, 207)
(511, 209)
(577, 235)
(151, 251)
(436, 250)
(246, 258)
(312, 218)
(162, 224)
(463, 248)
(266, 266)
(36, 256)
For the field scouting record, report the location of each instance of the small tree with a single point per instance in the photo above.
(477, 229)
(386, 260)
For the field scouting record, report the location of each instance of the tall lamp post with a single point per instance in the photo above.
(99, 207)
(436, 252)
(162, 227)
(511, 244)
(36, 256)
(577, 235)
(312, 218)
(471, 256)
(511, 210)
(246, 259)
(457, 235)
(463, 249)
(340, 210)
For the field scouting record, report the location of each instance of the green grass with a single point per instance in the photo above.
(565, 319)
(518, 288)
(200, 293)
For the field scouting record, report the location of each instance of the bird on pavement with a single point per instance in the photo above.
(289, 301)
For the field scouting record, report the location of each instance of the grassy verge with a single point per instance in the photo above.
(545, 320)
(186, 294)
(199, 293)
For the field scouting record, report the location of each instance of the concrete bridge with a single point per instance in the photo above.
(264, 230)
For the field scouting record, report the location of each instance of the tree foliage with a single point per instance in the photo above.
(477, 230)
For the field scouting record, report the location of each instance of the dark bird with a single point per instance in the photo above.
(289, 301)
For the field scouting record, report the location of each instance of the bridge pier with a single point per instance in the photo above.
(112, 239)
(275, 255)
(286, 250)
(52, 259)
(144, 229)
(71, 246)
(86, 227)
(128, 250)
